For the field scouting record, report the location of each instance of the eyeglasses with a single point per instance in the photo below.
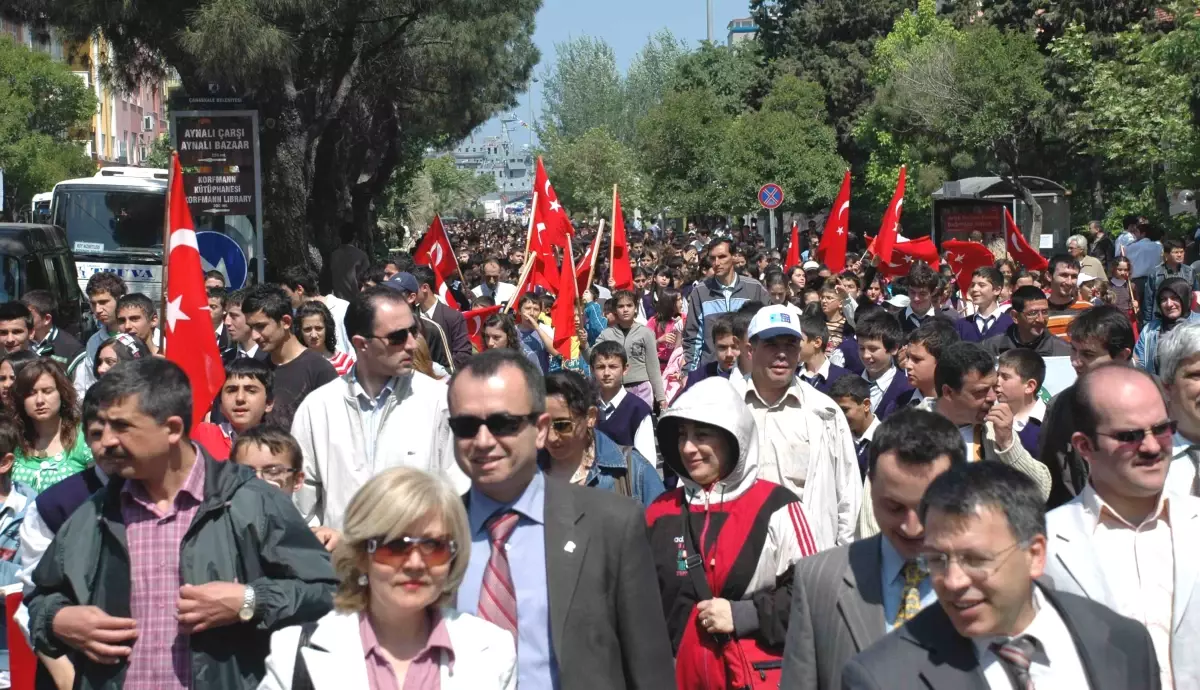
(434, 551)
(1126, 436)
(274, 472)
(401, 336)
(562, 427)
(974, 566)
(500, 424)
(1034, 313)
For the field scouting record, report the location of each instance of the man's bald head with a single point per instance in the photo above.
(1109, 388)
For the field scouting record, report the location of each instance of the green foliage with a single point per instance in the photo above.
(737, 76)
(439, 188)
(159, 155)
(788, 141)
(679, 144)
(587, 167)
(42, 108)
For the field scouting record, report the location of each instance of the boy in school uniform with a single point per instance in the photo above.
(815, 367)
(729, 334)
(1019, 377)
(625, 418)
(924, 348)
(879, 336)
(853, 395)
(246, 397)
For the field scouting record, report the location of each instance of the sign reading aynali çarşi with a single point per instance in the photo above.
(217, 156)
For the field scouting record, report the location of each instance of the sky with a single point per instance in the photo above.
(625, 25)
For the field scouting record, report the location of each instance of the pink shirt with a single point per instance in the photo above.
(161, 658)
(424, 672)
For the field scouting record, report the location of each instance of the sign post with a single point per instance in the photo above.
(770, 196)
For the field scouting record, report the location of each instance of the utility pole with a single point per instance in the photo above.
(710, 21)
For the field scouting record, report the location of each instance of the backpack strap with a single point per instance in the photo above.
(300, 678)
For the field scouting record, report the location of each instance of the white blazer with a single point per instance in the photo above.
(1071, 562)
(485, 657)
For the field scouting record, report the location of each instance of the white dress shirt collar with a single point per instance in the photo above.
(869, 434)
(615, 402)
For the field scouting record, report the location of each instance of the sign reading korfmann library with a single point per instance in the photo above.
(217, 153)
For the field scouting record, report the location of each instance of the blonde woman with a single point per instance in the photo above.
(403, 553)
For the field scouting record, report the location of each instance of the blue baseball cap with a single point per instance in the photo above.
(405, 282)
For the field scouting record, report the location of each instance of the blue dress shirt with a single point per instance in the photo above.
(893, 584)
(536, 666)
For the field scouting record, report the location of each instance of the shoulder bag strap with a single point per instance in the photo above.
(695, 562)
(300, 678)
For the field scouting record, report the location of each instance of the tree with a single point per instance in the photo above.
(351, 92)
(649, 77)
(679, 145)
(41, 105)
(583, 90)
(587, 167)
(159, 155)
(738, 77)
(788, 141)
(439, 188)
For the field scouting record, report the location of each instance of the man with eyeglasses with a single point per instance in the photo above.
(995, 627)
(298, 370)
(1125, 541)
(1030, 313)
(566, 569)
(845, 599)
(382, 414)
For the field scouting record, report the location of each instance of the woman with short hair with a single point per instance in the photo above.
(404, 550)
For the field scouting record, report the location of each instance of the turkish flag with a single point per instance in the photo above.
(475, 320)
(563, 314)
(434, 250)
(793, 257)
(189, 339)
(585, 265)
(832, 250)
(1018, 246)
(443, 290)
(906, 253)
(556, 225)
(619, 266)
(964, 258)
(889, 229)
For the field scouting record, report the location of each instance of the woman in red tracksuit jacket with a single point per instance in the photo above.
(750, 532)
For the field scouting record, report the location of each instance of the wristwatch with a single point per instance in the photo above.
(247, 611)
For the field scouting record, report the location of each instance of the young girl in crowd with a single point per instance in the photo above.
(314, 326)
(667, 323)
(776, 285)
(500, 331)
(1122, 290)
(11, 364)
(52, 447)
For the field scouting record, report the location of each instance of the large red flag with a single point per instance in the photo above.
(907, 253)
(832, 250)
(562, 314)
(556, 225)
(793, 257)
(889, 229)
(475, 319)
(189, 338)
(964, 258)
(1018, 246)
(434, 250)
(619, 266)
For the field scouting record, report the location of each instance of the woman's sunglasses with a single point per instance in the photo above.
(434, 551)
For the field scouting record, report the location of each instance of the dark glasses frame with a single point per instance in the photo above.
(401, 336)
(1128, 436)
(499, 424)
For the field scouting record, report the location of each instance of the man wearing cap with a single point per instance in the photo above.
(435, 337)
(804, 440)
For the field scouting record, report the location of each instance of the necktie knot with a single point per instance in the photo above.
(913, 574)
(501, 525)
(1016, 656)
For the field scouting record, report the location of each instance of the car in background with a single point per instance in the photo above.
(36, 257)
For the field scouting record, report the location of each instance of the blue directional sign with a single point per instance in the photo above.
(770, 196)
(220, 252)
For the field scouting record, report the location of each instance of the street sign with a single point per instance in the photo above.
(770, 196)
(217, 155)
(220, 252)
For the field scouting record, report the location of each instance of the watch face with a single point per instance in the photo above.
(246, 613)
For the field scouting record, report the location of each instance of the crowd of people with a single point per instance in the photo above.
(739, 474)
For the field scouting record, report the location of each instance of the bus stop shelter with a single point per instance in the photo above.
(976, 204)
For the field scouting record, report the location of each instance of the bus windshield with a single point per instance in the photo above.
(104, 219)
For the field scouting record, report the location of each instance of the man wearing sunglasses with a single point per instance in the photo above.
(382, 414)
(586, 611)
(995, 625)
(1125, 541)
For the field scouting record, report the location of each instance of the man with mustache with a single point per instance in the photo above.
(382, 414)
(1125, 541)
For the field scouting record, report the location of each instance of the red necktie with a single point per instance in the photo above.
(497, 596)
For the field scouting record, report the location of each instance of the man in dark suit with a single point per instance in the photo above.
(453, 325)
(845, 599)
(994, 626)
(566, 569)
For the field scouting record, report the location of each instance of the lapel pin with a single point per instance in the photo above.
(569, 547)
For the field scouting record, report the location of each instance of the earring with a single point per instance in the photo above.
(362, 580)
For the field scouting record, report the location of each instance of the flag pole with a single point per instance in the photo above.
(525, 270)
(529, 232)
(457, 267)
(162, 312)
(612, 248)
(595, 252)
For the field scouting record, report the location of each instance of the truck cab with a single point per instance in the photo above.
(113, 222)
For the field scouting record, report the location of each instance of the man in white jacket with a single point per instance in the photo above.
(382, 414)
(805, 443)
